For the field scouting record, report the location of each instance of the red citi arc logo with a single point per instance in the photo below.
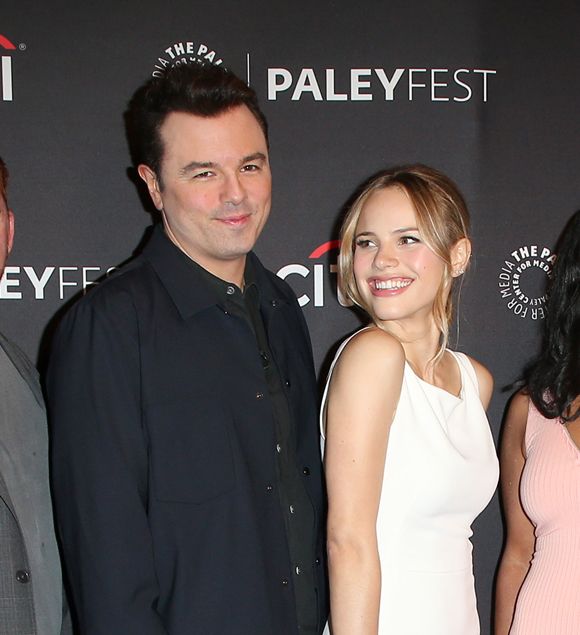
(319, 251)
(318, 270)
(6, 69)
(6, 43)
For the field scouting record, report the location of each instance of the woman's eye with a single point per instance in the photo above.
(409, 240)
(363, 242)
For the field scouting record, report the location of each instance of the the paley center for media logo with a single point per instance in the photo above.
(185, 53)
(523, 279)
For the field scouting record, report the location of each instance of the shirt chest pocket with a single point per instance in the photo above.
(190, 450)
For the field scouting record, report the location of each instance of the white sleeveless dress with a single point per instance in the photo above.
(441, 471)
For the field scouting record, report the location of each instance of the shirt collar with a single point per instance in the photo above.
(180, 275)
(227, 292)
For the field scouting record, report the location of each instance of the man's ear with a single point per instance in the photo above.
(460, 255)
(150, 178)
(10, 230)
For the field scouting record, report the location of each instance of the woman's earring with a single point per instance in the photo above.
(459, 272)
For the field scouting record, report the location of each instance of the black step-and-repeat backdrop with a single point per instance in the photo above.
(486, 91)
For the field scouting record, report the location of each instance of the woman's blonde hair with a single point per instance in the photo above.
(442, 218)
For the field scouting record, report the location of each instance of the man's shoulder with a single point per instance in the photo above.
(23, 365)
(10, 347)
(117, 296)
(130, 280)
(16, 354)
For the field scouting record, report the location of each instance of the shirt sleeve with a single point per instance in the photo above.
(100, 468)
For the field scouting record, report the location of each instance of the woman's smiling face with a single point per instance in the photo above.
(396, 273)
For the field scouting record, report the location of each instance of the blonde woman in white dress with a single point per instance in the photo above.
(409, 457)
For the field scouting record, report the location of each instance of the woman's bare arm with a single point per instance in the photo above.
(363, 396)
(520, 541)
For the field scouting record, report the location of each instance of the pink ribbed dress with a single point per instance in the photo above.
(549, 600)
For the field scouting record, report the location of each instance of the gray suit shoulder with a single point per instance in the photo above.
(24, 366)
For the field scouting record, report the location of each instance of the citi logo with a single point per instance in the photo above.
(319, 273)
(6, 67)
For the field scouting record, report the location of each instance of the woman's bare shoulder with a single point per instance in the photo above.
(514, 431)
(370, 350)
(375, 340)
(517, 414)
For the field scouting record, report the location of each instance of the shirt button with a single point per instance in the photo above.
(269, 488)
(22, 576)
(285, 582)
(318, 561)
(306, 471)
(297, 570)
(274, 302)
(288, 383)
(259, 395)
(291, 509)
(230, 290)
(278, 448)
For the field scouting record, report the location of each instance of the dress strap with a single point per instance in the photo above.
(534, 423)
(466, 370)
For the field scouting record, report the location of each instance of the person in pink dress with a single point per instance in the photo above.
(538, 587)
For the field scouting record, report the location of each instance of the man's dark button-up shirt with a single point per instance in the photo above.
(296, 505)
(166, 476)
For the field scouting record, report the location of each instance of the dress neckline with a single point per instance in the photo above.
(458, 397)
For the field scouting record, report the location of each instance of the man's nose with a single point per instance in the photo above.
(233, 191)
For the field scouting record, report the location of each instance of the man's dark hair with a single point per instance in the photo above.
(3, 180)
(198, 89)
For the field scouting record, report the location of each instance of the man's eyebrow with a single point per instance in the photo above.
(197, 165)
(253, 157)
(201, 165)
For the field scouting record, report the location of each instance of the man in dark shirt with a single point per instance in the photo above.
(187, 472)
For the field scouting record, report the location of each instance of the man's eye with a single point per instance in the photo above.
(202, 175)
(250, 168)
